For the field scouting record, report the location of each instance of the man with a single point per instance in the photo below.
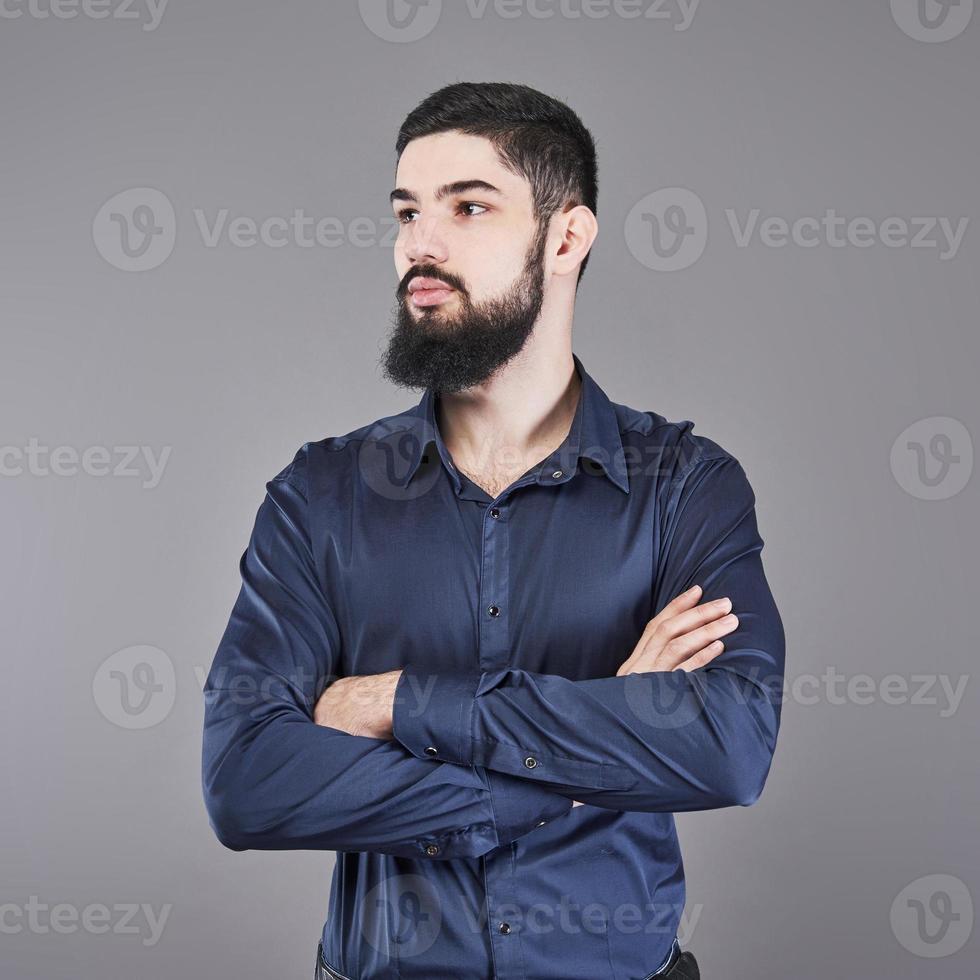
(485, 648)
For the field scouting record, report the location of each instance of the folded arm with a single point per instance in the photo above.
(275, 780)
(651, 741)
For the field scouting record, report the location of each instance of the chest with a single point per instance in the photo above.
(548, 579)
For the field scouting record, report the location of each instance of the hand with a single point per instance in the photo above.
(360, 705)
(682, 636)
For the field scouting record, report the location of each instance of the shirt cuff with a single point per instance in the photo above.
(432, 715)
(520, 805)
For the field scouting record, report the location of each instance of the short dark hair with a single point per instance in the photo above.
(536, 137)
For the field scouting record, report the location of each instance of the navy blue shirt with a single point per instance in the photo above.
(459, 853)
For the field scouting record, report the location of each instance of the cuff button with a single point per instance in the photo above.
(431, 750)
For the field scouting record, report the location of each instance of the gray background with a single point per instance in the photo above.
(807, 363)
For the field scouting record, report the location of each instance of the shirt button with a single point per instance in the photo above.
(556, 475)
(541, 823)
(494, 610)
(431, 750)
(504, 927)
(494, 512)
(530, 762)
(432, 850)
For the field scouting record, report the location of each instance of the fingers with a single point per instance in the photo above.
(702, 657)
(689, 620)
(676, 605)
(672, 653)
(682, 648)
(680, 616)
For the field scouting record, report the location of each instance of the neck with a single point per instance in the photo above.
(517, 418)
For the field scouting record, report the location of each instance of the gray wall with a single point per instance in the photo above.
(829, 369)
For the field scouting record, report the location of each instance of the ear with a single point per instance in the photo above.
(577, 228)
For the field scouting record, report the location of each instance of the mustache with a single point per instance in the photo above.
(428, 272)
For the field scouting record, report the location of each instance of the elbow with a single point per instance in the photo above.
(226, 818)
(233, 806)
(241, 809)
(746, 780)
(229, 835)
(747, 791)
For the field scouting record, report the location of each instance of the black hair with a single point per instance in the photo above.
(536, 137)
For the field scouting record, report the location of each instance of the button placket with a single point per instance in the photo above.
(494, 641)
(499, 869)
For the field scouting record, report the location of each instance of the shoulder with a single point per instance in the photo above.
(333, 457)
(671, 448)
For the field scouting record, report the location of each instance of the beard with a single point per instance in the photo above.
(449, 352)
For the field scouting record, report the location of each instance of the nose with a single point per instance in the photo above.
(424, 242)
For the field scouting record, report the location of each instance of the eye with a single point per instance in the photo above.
(403, 214)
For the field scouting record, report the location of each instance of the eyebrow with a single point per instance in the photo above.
(456, 187)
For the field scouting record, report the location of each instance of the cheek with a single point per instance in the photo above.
(489, 270)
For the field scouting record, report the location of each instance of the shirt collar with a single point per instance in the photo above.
(594, 434)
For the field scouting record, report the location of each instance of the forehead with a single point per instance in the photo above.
(431, 161)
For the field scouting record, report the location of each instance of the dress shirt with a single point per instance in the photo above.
(459, 853)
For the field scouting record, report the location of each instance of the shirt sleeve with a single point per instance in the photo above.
(652, 741)
(273, 779)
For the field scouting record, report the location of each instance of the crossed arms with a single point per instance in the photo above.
(651, 738)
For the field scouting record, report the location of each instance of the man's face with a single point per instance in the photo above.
(482, 241)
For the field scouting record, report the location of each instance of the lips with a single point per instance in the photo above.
(428, 292)
(424, 283)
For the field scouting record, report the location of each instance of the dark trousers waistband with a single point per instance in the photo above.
(683, 966)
